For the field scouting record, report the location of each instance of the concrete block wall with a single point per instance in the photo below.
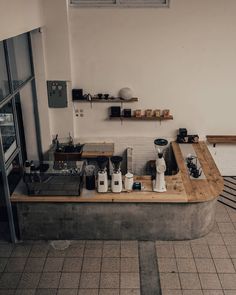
(143, 149)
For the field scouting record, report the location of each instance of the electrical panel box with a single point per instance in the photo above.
(57, 94)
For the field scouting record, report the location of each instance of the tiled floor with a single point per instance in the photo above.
(85, 268)
(206, 266)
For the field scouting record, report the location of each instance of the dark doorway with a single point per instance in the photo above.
(4, 226)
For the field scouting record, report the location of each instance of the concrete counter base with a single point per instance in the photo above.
(115, 221)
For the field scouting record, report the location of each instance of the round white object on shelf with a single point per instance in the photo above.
(126, 93)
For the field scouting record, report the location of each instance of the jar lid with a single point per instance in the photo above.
(129, 175)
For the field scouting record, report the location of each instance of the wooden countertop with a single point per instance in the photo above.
(175, 193)
(180, 188)
(200, 190)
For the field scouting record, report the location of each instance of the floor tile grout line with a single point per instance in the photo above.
(158, 271)
(229, 215)
(81, 267)
(196, 265)
(100, 274)
(140, 271)
(181, 287)
(46, 256)
(214, 261)
(58, 287)
(120, 270)
(82, 263)
(23, 267)
(143, 263)
(228, 253)
(4, 266)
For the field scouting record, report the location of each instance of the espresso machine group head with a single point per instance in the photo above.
(159, 183)
(116, 177)
(102, 186)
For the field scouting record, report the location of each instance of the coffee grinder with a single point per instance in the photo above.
(159, 184)
(116, 177)
(102, 174)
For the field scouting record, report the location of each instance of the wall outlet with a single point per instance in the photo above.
(77, 112)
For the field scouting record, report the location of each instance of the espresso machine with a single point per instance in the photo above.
(102, 186)
(159, 184)
(116, 177)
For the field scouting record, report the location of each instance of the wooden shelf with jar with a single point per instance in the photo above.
(142, 118)
(149, 115)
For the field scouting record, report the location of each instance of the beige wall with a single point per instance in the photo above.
(57, 60)
(19, 16)
(182, 58)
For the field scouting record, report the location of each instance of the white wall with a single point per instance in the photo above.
(182, 58)
(19, 16)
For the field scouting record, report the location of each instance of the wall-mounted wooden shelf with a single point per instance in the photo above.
(109, 100)
(214, 139)
(142, 118)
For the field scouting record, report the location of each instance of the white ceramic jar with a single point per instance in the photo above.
(129, 180)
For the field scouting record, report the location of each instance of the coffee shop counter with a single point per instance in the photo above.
(185, 211)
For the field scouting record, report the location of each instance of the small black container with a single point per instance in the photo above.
(127, 113)
(137, 186)
(183, 132)
(90, 182)
(77, 94)
(115, 111)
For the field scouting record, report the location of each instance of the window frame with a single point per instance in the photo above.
(7, 71)
(17, 86)
(5, 163)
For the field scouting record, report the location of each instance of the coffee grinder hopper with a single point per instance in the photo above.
(116, 162)
(102, 162)
(160, 146)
